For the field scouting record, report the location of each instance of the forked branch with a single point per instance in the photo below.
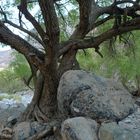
(23, 8)
(94, 42)
(22, 46)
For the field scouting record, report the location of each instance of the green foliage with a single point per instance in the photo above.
(120, 58)
(20, 66)
(11, 79)
(125, 60)
(68, 18)
(10, 82)
(88, 60)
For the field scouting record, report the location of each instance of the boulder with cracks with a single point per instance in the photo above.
(82, 93)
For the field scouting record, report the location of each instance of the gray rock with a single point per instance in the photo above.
(112, 131)
(137, 101)
(11, 112)
(79, 128)
(22, 131)
(4, 105)
(84, 94)
(37, 127)
(132, 123)
(12, 120)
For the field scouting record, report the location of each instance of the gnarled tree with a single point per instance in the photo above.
(48, 66)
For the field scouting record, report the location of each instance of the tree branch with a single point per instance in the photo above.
(34, 36)
(50, 19)
(20, 27)
(88, 15)
(16, 42)
(23, 8)
(102, 21)
(131, 25)
(115, 9)
(52, 30)
(90, 11)
(94, 42)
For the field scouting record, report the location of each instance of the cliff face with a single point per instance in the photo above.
(5, 58)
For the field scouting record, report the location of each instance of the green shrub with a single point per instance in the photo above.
(10, 82)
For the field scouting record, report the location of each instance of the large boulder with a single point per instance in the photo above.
(82, 93)
(112, 131)
(79, 128)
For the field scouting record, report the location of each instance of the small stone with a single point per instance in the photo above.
(22, 131)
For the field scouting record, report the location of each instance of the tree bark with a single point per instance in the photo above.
(44, 103)
(43, 106)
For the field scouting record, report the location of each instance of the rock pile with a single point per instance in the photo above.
(96, 108)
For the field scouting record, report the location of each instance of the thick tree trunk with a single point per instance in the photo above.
(48, 100)
(44, 103)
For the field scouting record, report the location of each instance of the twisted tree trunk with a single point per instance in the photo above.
(44, 103)
(43, 106)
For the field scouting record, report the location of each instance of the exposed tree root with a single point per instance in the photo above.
(28, 113)
(39, 116)
(42, 134)
(57, 133)
(34, 112)
(50, 130)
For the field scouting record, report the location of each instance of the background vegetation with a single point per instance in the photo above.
(12, 79)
